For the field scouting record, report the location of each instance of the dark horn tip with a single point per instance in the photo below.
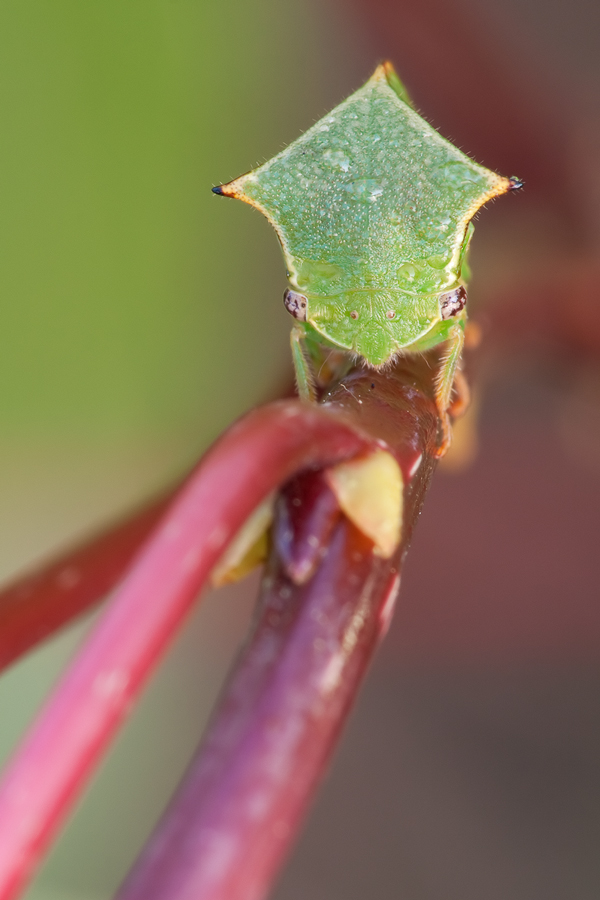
(218, 189)
(515, 184)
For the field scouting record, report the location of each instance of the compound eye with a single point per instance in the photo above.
(296, 304)
(452, 302)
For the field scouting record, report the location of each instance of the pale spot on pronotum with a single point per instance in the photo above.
(369, 491)
(452, 302)
(296, 304)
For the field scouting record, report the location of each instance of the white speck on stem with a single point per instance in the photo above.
(387, 610)
(172, 531)
(218, 536)
(110, 684)
(415, 465)
(332, 674)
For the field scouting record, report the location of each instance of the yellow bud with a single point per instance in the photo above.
(247, 549)
(370, 493)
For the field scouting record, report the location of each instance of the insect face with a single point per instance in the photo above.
(296, 304)
(452, 302)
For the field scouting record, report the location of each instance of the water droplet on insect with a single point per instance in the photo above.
(438, 262)
(432, 231)
(365, 189)
(315, 275)
(408, 272)
(444, 224)
(337, 158)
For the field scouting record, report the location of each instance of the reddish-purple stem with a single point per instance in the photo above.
(239, 808)
(37, 604)
(244, 798)
(60, 752)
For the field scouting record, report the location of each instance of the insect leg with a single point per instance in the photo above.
(462, 395)
(305, 378)
(445, 382)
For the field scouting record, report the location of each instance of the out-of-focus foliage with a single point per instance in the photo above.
(132, 301)
(140, 315)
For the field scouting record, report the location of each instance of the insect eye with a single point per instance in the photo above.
(296, 304)
(452, 302)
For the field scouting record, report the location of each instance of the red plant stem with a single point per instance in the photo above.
(58, 755)
(239, 808)
(39, 603)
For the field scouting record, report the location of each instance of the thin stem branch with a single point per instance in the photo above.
(66, 741)
(39, 603)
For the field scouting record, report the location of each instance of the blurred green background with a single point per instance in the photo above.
(134, 302)
(140, 315)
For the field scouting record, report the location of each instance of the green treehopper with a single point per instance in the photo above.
(373, 210)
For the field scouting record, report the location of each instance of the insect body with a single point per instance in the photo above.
(373, 209)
